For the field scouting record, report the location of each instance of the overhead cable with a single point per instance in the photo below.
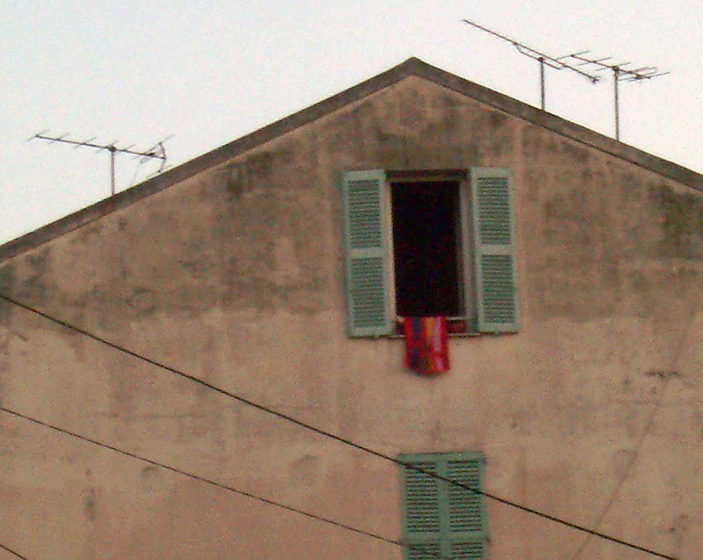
(13, 552)
(211, 482)
(328, 434)
(194, 476)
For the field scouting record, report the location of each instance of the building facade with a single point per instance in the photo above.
(574, 296)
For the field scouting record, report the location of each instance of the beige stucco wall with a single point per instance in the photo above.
(591, 413)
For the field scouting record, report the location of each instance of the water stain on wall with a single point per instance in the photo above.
(90, 505)
(682, 223)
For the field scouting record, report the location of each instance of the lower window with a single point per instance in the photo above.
(441, 519)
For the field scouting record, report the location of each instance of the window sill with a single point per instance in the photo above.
(456, 327)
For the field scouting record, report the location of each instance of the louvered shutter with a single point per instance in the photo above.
(421, 507)
(366, 245)
(439, 518)
(495, 266)
(466, 509)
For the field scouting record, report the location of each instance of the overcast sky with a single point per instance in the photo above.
(208, 72)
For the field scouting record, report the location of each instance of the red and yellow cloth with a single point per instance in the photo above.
(426, 348)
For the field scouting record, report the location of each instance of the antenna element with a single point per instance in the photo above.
(620, 74)
(543, 59)
(157, 151)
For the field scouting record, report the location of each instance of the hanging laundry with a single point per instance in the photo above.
(426, 348)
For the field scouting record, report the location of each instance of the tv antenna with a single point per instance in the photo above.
(157, 151)
(620, 74)
(543, 59)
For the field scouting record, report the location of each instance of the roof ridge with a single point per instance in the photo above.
(412, 66)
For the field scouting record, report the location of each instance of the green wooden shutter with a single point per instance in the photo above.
(421, 508)
(495, 266)
(439, 518)
(466, 509)
(366, 234)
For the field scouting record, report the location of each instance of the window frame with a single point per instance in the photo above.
(488, 241)
(465, 257)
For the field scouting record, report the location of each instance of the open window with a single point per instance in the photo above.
(429, 244)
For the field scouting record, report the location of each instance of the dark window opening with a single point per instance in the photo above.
(427, 248)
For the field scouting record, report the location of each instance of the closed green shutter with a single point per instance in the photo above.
(466, 509)
(366, 233)
(442, 519)
(496, 271)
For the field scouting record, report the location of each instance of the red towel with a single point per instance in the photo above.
(426, 349)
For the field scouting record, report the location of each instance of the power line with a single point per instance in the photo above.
(211, 482)
(13, 552)
(328, 434)
(197, 477)
(677, 352)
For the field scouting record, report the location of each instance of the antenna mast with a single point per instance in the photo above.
(543, 59)
(620, 74)
(157, 151)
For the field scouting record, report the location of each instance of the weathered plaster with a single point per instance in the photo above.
(235, 274)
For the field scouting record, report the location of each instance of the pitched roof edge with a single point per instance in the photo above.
(562, 126)
(201, 163)
(411, 67)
